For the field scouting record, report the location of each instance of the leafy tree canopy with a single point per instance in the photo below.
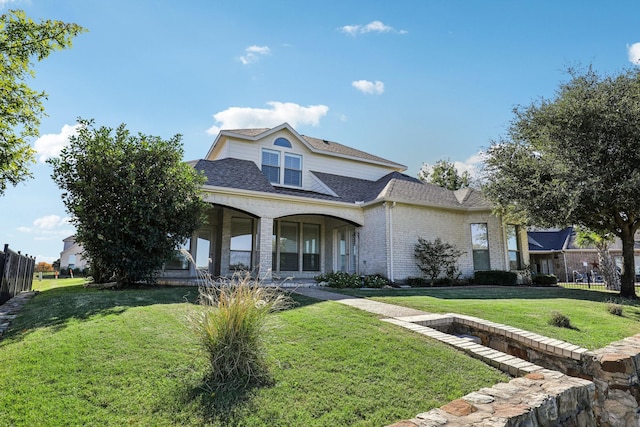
(444, 174)
(575, 160)
(132, 200)
(21, 41)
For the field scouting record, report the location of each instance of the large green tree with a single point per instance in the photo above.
(21, 41)
(575, 160)
(132, 199)
(444, 174)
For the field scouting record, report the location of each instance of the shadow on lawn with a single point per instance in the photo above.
(55, 307)
(227, 407)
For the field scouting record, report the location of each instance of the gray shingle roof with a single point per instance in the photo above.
(234, 173)
(400, 187)
(324, 145)
(245, 175)
(336, 148)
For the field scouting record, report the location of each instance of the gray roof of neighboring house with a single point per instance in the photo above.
(245, 175)
(323, 145)
(548, 240)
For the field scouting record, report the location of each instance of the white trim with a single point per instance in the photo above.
(228, 133)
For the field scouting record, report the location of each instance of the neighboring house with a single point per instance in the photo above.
(554, 251)
(71, 255)
(286, 205)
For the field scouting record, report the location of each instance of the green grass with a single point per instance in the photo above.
(81, 356)
(47, 284)
(525, 308)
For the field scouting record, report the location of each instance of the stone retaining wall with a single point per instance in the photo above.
(609, 376)
(544, 398)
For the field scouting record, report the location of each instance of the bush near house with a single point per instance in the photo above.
(340, 280)
(544, 280)
(374, 281)
(495, 277)
(421, 282)
(436, 257)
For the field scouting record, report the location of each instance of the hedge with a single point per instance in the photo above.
(495, 277)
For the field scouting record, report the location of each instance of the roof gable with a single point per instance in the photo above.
(319, 146)
(399, 187)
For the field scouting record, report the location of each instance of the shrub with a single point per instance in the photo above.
(417, 282)
(614, 308)
(231, 329)
(374, 281)
(443, 281)
(495, 277)
(339, 280)
(560, 320)
(434, 258)
(544, 279)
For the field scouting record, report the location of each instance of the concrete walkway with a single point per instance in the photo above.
(380, 308)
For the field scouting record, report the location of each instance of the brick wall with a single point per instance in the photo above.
(411, 222)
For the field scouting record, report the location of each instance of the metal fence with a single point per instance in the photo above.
(16, 273)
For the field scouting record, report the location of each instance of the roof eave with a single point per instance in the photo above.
(274, 196)
(427, 205)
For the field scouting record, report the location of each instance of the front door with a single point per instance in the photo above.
(346, 252)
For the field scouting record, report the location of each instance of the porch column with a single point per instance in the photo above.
(265, 256)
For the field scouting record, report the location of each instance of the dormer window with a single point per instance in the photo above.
(290, 175)
(292, 169)
(282, 142)
(271, 165)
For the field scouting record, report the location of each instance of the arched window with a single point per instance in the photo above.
(282, 142)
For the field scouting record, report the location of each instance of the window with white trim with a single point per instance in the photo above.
(480, 246)
(295, 244)
(290, 174)
(271, 165)
(292, 169)
(513, 247)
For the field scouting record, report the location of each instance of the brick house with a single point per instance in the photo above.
(554, 251)
(288, 205)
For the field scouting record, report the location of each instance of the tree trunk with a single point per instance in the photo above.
(627, 285)
(608, 268)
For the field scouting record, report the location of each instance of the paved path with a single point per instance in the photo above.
(381, 308)
(10, 309)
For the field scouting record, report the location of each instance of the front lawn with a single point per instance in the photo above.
(81, 356)
(526, 308)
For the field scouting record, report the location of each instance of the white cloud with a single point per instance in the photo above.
(253, 54)
(51, 144)
(633, 52)
(47, 259)
(366, 86)
(49, 227)
(473, 165)
(50, 221)
(245, 117)
(4, 3)
(371, 27)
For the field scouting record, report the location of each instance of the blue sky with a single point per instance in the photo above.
(412, 81)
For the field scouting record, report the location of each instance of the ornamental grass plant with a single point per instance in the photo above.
(231, 326)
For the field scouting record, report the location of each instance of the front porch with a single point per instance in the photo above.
(289, 248)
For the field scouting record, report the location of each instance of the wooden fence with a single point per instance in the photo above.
(16, 273)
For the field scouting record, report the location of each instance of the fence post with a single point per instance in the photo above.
(16, 273)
